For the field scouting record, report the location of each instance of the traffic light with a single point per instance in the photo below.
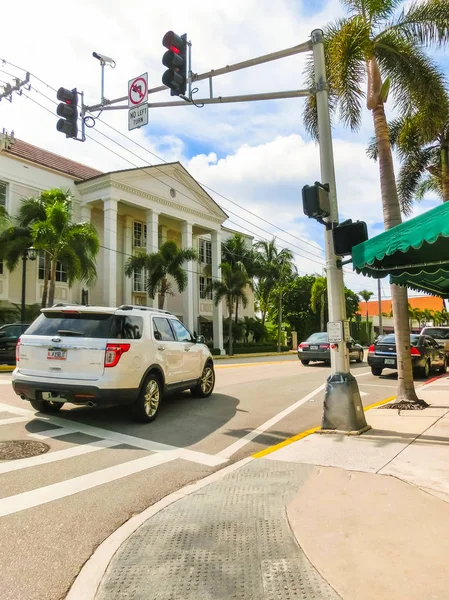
(315, 200)
(68, 110)
(347, 235)
(175, 59)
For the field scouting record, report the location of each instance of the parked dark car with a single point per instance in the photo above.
(9, 336)
(317, 348)
(425, 352)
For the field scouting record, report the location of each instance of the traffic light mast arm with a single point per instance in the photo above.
(304, 47)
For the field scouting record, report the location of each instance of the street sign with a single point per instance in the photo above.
(138, 90)
(137, 117)
(335, 332)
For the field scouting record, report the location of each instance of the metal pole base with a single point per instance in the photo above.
(343, 409)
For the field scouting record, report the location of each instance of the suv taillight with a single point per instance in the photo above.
(371, 349)
(414, 351)
(113, 353)
(17, 351)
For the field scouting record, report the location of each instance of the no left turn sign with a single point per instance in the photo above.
(138, 90)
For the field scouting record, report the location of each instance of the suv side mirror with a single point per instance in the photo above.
(157, 335)
(200, 339)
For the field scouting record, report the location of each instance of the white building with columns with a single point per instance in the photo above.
(132, 209)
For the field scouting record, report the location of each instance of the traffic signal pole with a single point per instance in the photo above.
(343, 410)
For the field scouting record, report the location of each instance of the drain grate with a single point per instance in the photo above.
(15, 449)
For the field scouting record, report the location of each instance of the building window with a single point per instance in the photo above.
(139, 235)
(61, 275)
(206, 252)
(138, 281)
(205, 288)
(3, 190)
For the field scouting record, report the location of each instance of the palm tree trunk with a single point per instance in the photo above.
(163, 293)
(230, 352)
(367, 326)
(280, 322)
(46, 278)
(392, 217)
(236, 311)
(445, 172)
(52, 287)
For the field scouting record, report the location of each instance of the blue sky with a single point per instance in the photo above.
(256, 154)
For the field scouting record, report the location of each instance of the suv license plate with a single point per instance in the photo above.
(389, 361)
(57, 355)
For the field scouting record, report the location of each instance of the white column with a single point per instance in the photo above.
(187, 295)
(85, 213)
(152, 243)
(128, 250)
(164, 232)
(216, 274)
(110, 252)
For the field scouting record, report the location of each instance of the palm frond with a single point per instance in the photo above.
(425, 23)
(429, 185)
(416, 83)
(413, 168)
(137, 263)
(346, 43)
(180, 277)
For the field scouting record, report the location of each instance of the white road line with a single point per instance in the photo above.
(364, 393)
(13, 420)
(45, 459)
(379, 385)
(121, 438)
(233, 448)
(56, 491)
(5, 382)
(51, 433)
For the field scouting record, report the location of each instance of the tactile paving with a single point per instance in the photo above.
(229, 541)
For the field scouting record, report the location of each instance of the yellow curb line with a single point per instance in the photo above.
(6, 368)
(300, 436)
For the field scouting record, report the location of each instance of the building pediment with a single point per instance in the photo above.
(167, 185)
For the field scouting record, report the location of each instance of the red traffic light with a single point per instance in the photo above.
(67, 96)
(173, 42)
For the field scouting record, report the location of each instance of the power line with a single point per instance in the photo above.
(162, 160)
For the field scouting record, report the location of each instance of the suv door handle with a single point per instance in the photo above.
(161, 348)
(186, 349)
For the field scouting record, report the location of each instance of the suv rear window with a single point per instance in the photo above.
(90, 325)
(436, 333)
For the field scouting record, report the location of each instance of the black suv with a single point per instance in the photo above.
(9, 336)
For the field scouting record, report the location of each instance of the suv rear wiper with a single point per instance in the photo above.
(69, 332)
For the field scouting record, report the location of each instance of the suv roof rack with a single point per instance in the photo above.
(139, 307)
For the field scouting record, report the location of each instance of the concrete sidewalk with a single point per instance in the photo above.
(328, 516)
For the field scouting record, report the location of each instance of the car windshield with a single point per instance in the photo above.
(318, 337)
(436, 333)
(391, 339)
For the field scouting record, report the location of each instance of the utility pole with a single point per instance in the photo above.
(343, 410)
(8, 89)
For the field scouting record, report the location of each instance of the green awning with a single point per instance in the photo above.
(415, 253)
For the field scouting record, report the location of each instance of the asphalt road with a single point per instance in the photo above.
(101, 468)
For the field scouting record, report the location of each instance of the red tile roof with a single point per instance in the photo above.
(47, 159)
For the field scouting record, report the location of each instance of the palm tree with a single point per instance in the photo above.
(236, 252)
(376, 47)
(16, 239)
(427, 315)
(318, 295)
(415, 314)
(167, 261)
(286, 270)
(366, 295)
(270, 264)
(74, 245)
(438, 317)
(425, 162)
(231, 287)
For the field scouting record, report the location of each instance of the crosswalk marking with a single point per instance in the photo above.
(45, 459)
(122, 438)
(56, 491)
(51, 433)
(13, 420)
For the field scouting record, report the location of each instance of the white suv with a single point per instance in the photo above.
(102, 356)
